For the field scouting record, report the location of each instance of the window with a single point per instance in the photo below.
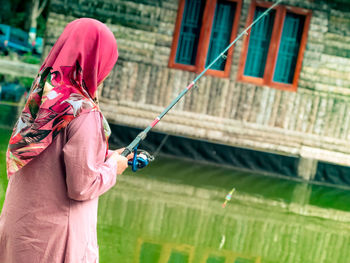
(272, 54)
(204, 28)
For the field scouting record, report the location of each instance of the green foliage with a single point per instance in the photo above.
(18, 20)
(40, 31)
(16, 13)
(30, 58)
(26, 82)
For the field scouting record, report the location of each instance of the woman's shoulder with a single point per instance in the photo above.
(89, 117)
(90, 122)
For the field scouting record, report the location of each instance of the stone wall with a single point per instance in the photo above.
(18, 68)
(313, 122)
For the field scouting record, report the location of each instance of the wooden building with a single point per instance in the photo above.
(282, 89)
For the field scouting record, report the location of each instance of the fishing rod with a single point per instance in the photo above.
(142, 158)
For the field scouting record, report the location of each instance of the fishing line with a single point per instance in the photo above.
(142, 135)
(161, 145)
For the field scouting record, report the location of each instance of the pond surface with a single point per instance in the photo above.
(171, 212)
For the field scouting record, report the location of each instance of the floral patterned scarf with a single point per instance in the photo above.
(65, 87)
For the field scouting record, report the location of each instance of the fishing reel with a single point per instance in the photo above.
(141, 159)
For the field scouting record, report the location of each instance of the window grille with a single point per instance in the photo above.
(221, 32)
(203, 29)
(289, 48)
(190, 30)
(272, 52)
(259, 42)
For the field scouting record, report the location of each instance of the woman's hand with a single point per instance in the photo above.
(122, 162)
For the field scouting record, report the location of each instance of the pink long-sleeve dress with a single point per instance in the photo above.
(50, 210)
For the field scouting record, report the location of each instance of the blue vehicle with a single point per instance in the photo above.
(17, 40)
(12, 92)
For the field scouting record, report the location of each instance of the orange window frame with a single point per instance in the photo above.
(204, 39)
(276, 35)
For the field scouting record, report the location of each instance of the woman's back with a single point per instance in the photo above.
(50, 209)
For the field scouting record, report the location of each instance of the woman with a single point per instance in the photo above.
(58, 161)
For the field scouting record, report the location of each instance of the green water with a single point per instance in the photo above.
(4, 138)
(171, 212)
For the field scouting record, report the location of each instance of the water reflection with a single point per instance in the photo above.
(172, 212)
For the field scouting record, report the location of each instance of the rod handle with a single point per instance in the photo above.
(126, 152)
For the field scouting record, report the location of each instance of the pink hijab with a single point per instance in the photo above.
(65, 87)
